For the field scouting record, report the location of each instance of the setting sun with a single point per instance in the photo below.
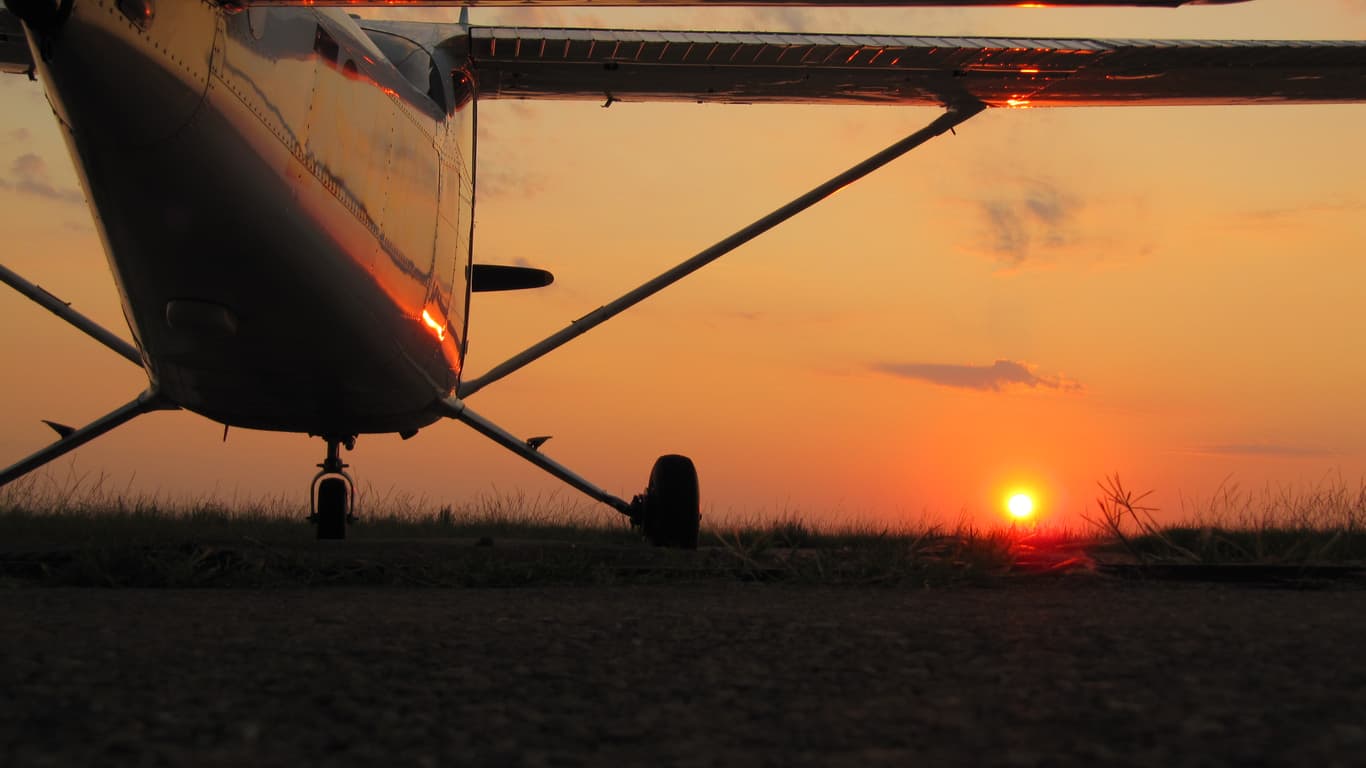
(1020, 506)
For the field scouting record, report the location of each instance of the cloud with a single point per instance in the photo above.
(1032, 222)
(1267, 450)
(793, 19)
(499, 183)
(1022, 222)
(28, 176)
(1000, 375)
(1291, 215)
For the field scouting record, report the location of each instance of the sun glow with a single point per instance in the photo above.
(1020, 506)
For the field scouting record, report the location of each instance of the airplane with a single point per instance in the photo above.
(285, 192)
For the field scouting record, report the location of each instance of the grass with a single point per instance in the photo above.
(1320, 526)
(86, 511)
(84, 533)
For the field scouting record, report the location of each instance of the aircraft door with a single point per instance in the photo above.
(456, 219)
(447, 254)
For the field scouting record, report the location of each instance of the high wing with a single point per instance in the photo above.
(741, 67)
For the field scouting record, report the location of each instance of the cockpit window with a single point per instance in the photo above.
(412, 61)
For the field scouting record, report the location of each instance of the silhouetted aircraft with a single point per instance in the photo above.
(286, 193)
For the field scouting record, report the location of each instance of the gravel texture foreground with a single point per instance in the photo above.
(1046, 672)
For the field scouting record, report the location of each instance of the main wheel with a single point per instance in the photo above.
(332, 508)
(672, 504)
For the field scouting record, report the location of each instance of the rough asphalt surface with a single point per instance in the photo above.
(1045, 673)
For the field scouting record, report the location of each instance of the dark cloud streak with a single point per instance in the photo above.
(997, 377)
(1267, 450)
(1291, 214)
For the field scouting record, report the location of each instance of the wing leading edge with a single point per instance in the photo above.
(740, 67)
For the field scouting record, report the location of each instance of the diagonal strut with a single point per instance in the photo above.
(954, 116)
(455, 408)
(63, 310)
(144, 403)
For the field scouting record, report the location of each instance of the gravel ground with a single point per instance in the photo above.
(1047, 672)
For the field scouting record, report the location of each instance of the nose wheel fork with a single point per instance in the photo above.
(332, 495)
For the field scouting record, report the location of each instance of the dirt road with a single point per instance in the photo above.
(1089, 672)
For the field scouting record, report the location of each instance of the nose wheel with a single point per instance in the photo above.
(332, 496)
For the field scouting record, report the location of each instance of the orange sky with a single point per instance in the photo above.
(1172, 294)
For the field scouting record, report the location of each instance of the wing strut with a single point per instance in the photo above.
(144, 403)
(668, 513)
(954, 116)
(455, 408)
(72, 439)
(63, 310)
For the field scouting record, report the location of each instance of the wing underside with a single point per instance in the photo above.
(743, 67)
(739, 67)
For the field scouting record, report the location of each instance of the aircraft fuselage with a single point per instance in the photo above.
(286, 204)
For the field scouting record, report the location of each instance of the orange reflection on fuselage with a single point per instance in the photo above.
(434, 325)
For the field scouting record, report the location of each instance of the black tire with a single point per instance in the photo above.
(332, 508)
(672, 504)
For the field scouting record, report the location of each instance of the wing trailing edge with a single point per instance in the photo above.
(745, 67)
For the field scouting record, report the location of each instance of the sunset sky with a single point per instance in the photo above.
(1048, 297)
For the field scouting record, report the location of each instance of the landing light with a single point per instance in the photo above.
(434, 325)
(140, 12)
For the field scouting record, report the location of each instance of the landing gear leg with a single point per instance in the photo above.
(667, 513)
(333, 494)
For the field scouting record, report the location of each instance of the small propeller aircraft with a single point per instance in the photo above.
(286, 193)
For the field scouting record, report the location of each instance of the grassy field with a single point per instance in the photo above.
(1323, 525)
(84, 533)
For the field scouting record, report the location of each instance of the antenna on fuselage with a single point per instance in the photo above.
(464, 20)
